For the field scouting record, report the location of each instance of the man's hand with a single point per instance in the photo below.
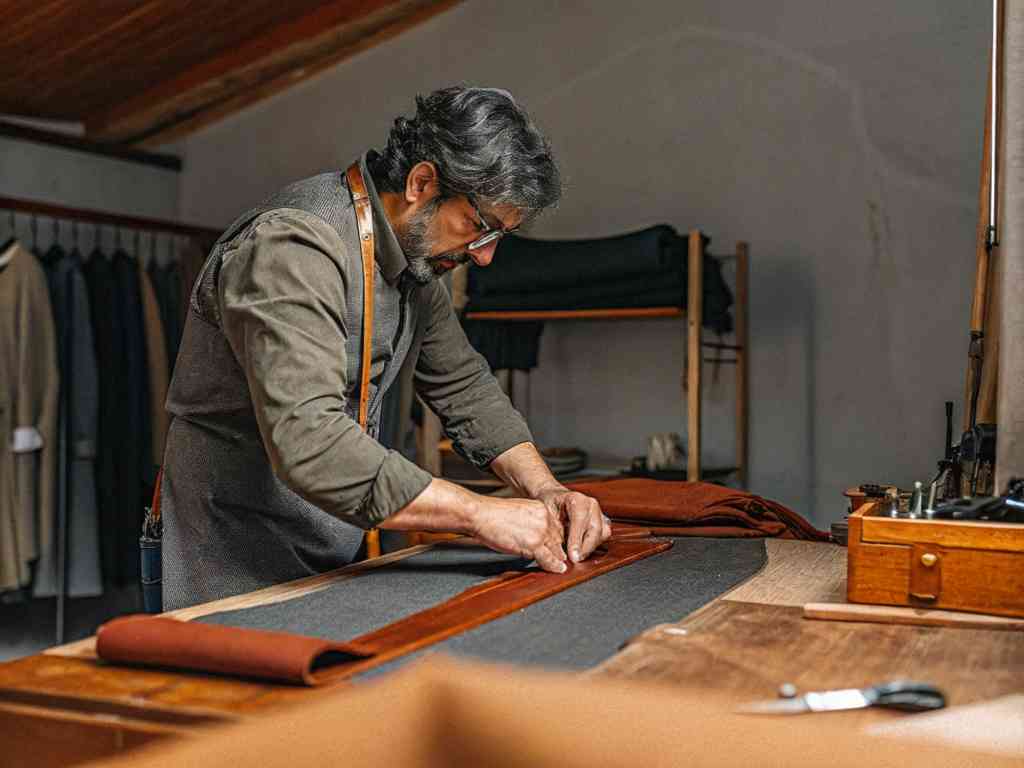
(524, 527)
(523, 468)
(588, 527)
(532, 528)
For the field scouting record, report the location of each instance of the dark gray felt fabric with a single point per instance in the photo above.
(355, 606)
(574, 629)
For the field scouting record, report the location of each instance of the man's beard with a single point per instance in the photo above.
(418, 245)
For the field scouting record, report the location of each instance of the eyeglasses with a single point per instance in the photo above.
(490, 234)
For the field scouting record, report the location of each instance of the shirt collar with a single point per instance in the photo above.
(389, 254)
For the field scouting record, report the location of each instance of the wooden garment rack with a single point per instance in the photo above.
(694, 313)
(38, 208)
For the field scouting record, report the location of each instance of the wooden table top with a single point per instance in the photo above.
(746, 642)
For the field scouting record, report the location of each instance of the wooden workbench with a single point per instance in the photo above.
(63, 706)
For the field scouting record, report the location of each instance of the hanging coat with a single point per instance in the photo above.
(29, 390)
(77, 439)
(133, 447)
(105, 309)
(167, 284)
(156, 359)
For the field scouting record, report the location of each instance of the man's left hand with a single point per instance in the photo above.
(587, 525)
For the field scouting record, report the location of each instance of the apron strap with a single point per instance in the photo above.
(364, 223)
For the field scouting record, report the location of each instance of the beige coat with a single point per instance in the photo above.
(156, 357)
(29, 387)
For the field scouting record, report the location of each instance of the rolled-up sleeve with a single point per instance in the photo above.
(281, 292)
(456, 383)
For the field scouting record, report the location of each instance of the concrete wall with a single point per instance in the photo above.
(841, 139)
(78, 180)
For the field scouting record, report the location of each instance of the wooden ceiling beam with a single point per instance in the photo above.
(286, 55)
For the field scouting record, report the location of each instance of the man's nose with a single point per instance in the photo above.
(482, 256)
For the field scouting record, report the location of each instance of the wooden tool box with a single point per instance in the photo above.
(949, 564)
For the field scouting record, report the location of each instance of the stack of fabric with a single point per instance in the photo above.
(696, 509)
(640, 269)
(647, 268)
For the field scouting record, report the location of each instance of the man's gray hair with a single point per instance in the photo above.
(483, 145)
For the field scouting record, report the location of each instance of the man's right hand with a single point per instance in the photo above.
(523, 527)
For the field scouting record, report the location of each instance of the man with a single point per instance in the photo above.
(267, 474)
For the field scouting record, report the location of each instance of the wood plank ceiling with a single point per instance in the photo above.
(152, 71)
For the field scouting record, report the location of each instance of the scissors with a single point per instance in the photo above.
(905, 695)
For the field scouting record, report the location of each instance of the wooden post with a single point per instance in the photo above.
(694, 322)
(372, 543)
(428, 454)
(983, 288)
(1010, 234)
(742, 360)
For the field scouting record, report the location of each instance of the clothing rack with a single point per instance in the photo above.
(64, 213)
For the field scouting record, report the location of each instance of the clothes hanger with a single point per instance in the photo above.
(6, 251)
(118, 243)
(75, 253)
(154, 243)
(97, 245)
(9, 241)
(55, 252)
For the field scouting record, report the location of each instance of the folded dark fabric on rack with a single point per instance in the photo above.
(696, 509)
(505, 345)
(523, 264)
(670, 284)
(641, 269)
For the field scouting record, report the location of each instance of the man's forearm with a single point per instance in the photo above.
(441, 506)
(523, 468)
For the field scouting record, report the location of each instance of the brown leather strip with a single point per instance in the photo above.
(161, 642)
(164, 642)
(364, 224)
(487, 602)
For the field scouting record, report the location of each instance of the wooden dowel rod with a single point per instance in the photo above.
(716, 345)
(575, 314)
(742, 359)
(694, 322)
(981, 229)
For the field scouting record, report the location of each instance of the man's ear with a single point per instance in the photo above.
(421, 184)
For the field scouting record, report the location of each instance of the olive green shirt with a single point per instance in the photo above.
(265, 459)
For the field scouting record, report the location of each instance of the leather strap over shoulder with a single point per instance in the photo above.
(364, 222)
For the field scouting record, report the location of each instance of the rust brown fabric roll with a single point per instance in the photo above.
(696, 509)
(161, 642)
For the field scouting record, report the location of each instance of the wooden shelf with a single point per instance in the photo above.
(577, 314)
(429, 453)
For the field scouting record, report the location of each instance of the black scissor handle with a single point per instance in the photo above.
(907, 695)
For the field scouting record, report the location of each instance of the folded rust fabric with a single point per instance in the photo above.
(161, 642)
(696, 509)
